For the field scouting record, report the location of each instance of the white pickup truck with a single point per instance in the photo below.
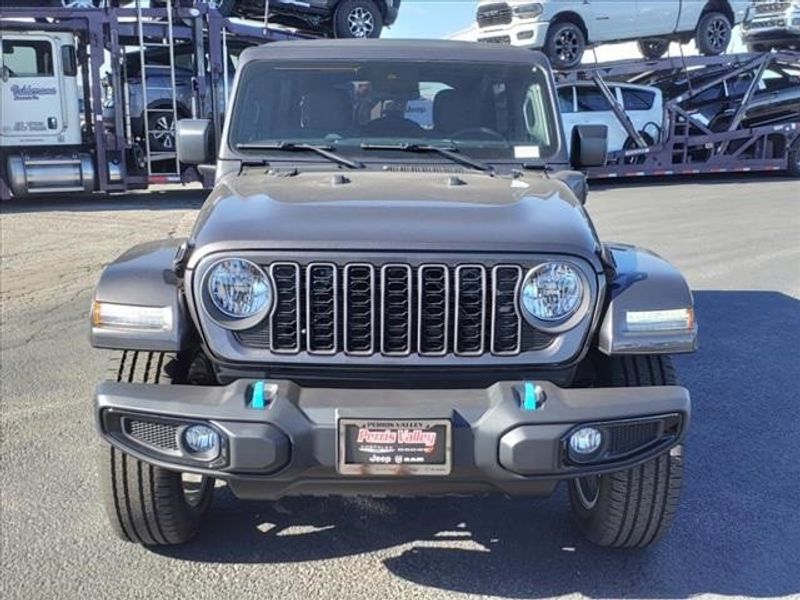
(565, 28)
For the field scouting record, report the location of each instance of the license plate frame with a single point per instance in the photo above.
(367, 459)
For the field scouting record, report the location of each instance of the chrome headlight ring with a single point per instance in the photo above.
(236, 293)
(566, 284)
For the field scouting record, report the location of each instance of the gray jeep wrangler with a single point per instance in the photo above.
(394, 289)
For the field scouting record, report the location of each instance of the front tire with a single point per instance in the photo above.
(635, 507)
(714, 33)
(565, 45)
(358, 19)
(146, 504)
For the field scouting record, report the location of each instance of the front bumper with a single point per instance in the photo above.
(775, 27)
(499, 443)
(531, 34)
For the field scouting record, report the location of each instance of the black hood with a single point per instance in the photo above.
(394, 211)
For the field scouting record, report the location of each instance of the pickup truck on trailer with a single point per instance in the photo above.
(372, 305)
(563, 29)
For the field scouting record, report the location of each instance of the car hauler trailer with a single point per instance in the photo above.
(53, 138)
(722, 114)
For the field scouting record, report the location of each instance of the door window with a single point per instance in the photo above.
(27, 58)
(566, 99)
(638, 99)
(590, 99)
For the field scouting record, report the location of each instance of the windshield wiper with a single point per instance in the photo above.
(450, 152)
(324, 151)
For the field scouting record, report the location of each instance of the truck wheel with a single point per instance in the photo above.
(565, 45)
(144, 503)
(358, 19)
(713, 34)
(653, 49)
(632, 508)
(794, 159)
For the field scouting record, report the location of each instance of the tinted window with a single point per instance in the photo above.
(485, 111)
(590, 99)
(566, 100)
(27, 58)
(638, 99)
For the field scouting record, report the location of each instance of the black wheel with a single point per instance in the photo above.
(630, 144)
(162, 127)
(713, 34)
(653, 48)
(632, 508)
(147, 504)
(794, 159)
(565, 45)
(358, 19)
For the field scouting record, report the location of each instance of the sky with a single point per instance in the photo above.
(432, 18)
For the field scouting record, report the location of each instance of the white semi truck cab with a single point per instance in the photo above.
(41, 142)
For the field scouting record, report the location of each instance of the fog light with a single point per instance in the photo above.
(585, 441)
(202, 441)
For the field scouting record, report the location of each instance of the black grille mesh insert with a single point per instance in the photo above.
(433, 309)
(490, 15)
(359, 306)
(506, 319)
(470, 310)
(286, 317)
(322, 301)
(631, 436)
(396, 309)
(150, 433)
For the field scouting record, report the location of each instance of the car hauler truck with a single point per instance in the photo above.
(54, 60)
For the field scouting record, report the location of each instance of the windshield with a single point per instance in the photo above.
(488, 111)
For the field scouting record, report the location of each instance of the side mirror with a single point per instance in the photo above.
(589, 146)
(195, 141)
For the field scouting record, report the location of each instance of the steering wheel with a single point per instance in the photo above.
(485, 131)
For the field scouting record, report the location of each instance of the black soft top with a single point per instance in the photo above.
(400, 50)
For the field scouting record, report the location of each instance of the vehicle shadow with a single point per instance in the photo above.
(167, 199)
(736, 532)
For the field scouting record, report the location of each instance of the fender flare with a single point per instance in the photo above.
(643, 281)
(144, 276)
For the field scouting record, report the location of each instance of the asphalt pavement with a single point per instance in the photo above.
(737, 531)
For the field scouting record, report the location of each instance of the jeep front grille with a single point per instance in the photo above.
(395, 310)
(490, 15)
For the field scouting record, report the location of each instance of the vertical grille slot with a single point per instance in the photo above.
(470, 309)
(396, 310)
(359, 309)
(433, 309)
(506, 321)
(322, 308)
(285, 330)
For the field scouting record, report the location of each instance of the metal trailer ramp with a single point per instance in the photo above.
(739, 141)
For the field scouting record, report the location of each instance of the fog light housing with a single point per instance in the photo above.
(585, 443)
(201, 441)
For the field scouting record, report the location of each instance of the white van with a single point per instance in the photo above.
(583, 104)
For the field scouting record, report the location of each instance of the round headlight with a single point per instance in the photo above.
(239, 288)
(552, 293)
